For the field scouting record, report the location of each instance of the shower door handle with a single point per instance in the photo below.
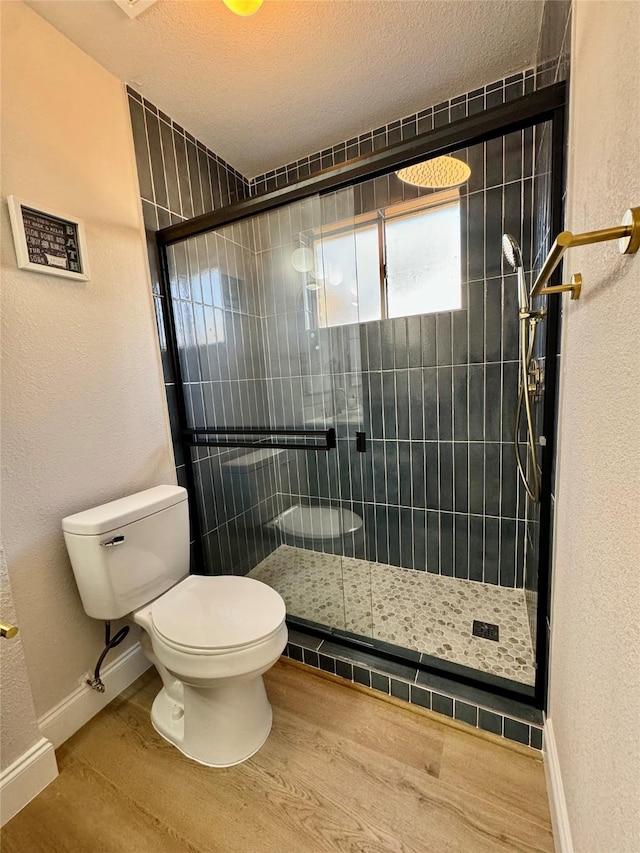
(361, 441)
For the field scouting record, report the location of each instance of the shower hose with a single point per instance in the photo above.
(527, 341)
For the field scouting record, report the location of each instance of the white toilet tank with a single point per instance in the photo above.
(127, 552)
(252, 479)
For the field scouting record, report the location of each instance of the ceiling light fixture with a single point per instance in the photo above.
(437, 173)
(243, 7)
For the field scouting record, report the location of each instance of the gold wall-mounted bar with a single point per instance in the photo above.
(628, 234)
(8, 631)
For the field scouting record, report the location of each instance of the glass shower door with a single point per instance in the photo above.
(313, 369)
(269, 350)
(386, 314)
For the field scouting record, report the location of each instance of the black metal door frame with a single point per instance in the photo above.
(546, 105)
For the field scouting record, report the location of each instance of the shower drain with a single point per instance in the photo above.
(486, 630)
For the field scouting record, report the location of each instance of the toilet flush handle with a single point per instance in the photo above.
(117, 540)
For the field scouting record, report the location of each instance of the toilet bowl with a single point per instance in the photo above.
(211, 638)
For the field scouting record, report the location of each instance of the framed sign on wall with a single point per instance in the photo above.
(50, 243)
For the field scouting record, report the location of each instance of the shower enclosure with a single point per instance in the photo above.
(347, 355)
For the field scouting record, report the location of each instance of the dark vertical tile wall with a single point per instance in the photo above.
(313, 374)
(439, 484)
(421, 122)
(214, 296)
(438, 489)
(218, 325)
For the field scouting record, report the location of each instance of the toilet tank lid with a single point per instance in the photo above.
(109, 516)
(251, 461)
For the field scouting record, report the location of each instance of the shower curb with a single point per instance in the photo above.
(448, 706)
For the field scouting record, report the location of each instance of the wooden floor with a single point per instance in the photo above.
(341, 771)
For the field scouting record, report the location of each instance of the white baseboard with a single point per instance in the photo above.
(557, 801)
(65, 718)
(25, 778)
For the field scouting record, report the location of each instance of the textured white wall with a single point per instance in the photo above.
(595, 653)
(18, 724)
(83, 409)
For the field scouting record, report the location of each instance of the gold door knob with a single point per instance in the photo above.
(8, 631)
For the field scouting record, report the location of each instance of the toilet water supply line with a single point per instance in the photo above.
(110, 643)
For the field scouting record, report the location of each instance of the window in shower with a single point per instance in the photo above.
(399, 261)
(422, 250)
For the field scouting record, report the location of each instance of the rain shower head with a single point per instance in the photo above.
(511, 251)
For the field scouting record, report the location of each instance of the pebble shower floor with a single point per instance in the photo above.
(424, 612)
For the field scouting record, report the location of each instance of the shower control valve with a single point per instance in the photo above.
(535, 383)
(535, 316)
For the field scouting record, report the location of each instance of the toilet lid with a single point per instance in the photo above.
(317, 522)
(219, 612)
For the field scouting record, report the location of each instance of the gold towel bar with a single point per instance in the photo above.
(628, 234)
(8, 631)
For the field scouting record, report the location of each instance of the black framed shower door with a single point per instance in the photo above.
(546, 105)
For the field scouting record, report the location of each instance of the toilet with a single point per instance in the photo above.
(211, 638)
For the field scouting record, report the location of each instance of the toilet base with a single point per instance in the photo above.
(215, 726)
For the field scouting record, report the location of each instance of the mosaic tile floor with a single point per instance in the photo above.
(428, 613)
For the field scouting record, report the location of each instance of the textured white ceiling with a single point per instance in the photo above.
(299, 75)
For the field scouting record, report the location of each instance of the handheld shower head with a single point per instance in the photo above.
(513, 256)
(511, 251)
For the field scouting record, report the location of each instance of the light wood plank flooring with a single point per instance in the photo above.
(341, 771)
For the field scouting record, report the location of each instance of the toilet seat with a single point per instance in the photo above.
(216, 615)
